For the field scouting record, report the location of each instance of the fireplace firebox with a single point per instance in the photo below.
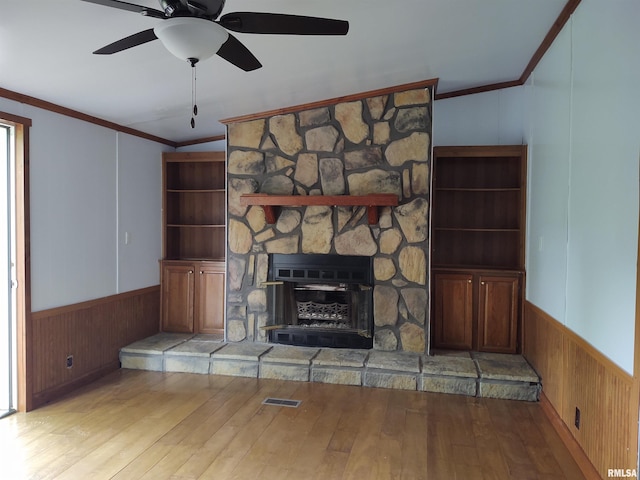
(320, 300)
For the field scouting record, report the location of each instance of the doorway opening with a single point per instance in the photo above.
(8, 359)
(15, 389)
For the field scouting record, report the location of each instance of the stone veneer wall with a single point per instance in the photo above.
(379, 144)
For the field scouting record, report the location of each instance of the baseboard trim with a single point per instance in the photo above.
(587, 468)
(46, 396)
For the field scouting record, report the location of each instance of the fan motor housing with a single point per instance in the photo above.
(206, 8)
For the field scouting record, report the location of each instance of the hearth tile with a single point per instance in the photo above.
(445, 384)
(397, 381)
(195, 348)
(157, 343)
(507, 367)
(238, 359)
(340, 376)
(296, 355)
(234, 368)
(280, 371)
(187, 364)
(137, 361)
(400, 361)
(205, 337)
(340, 357)
(509, 390)
(241, 351)
(449, 366)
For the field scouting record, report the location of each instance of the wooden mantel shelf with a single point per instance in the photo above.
(372, 202)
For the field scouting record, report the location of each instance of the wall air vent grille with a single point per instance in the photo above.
(281, 402)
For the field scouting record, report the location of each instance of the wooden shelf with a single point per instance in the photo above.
(193, 213)
(478, 206)
(372, 202)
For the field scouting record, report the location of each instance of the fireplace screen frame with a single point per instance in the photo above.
(324, 280)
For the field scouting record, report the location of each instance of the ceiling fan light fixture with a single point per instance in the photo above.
(190, 37)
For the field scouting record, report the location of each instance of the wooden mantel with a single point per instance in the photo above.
(371, 201)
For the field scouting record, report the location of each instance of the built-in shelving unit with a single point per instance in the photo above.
(194, 242)
(477, 246)
(268, 202)
(478, 207)
(194, 206)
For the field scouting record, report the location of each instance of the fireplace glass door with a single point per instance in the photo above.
(320, 302)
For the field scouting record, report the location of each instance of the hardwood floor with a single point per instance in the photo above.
(148, 425)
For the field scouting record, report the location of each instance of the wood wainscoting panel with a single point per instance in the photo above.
(608, 408)
(93, 333)
(543, 348)
(576, 375)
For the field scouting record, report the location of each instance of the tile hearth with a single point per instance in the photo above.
(462, 373)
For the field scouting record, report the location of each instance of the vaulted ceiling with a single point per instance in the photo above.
(46, 52)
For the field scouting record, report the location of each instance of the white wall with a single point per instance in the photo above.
(580, 119)
(603, 191)
(548, 113)
(489, 118)
(89, 184)
(139, 197)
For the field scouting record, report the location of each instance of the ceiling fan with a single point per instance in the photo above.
(191, 32)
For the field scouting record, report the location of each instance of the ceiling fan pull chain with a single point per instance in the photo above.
(194, 107)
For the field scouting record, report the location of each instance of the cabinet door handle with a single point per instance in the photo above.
(468, 281)
(481, 283)
(201, 272)
(190, 272)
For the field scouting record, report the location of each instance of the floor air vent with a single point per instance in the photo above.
(281, 402)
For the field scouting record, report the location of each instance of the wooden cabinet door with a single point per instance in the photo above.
(498, 313)
(177, 297)
(209, 304)
(453, 311)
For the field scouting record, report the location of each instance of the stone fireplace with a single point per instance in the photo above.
(377, 142)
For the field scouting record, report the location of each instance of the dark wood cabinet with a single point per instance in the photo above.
(476, 310)
(177, 297)
(453, 310)
(194, 242)
(193, 297)
(209, 298)
(498, 307)
(477, 255)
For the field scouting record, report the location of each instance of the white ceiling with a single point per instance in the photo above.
(46, 45)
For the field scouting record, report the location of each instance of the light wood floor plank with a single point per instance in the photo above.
(363, 460)
(150, 425)
(326, 410)
(145, 462)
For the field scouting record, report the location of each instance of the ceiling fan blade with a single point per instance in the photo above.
(251, 22)
(128, 42)
(149, 12)
(235, 52)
